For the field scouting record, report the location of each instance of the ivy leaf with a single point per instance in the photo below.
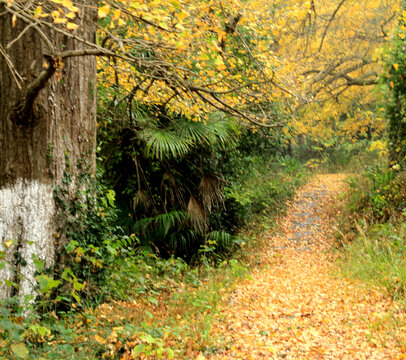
(47, 283)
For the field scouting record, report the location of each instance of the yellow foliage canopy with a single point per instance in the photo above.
(335, 50)
(193, 56)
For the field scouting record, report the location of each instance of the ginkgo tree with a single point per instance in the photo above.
(333, 52)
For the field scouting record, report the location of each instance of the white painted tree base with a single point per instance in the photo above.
(26, 213)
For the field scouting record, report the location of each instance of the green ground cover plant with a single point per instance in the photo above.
(371, 231)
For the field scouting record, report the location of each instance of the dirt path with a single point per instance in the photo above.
(294, 307)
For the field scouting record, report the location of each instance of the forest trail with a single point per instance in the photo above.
(295, 307)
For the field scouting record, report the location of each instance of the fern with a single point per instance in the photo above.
(183, 239)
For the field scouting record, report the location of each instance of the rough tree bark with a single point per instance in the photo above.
(37, 144)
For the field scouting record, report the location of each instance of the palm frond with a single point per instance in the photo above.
(196, 131)
(173, 190)
(223, 239)
(161, 224)
(183, 240)
(163, 143)
(142, 199)
(224, 131)
(210, 191)
(198, 215)
(211, 132)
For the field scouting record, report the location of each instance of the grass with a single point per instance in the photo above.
(378, 256)
(372, 239)
(373, 230)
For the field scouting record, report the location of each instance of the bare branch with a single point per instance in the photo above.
(17, 77)
(329, 23)
(11, 43)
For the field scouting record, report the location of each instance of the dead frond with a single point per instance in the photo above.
(210, 191)
(142, 199)
(174, 193)
(198, 215)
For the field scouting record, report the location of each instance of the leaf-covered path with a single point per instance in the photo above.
(295, 307)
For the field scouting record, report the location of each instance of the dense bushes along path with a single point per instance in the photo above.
(295, 307)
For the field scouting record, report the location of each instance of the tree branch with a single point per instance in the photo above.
(22, 110)
(329, 23)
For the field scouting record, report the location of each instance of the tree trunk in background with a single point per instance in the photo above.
(37, 153)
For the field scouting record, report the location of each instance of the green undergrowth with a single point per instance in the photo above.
(378, 256)
(147, 307)
(371, 231)
(350, 156)
(161, 309)
(264, 187)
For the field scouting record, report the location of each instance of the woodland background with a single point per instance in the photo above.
(210, 114)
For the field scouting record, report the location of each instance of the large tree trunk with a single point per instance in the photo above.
(38, 151)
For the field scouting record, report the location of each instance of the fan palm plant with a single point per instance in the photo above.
(163, 175)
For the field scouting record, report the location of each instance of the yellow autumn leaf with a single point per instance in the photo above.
(103, 11)
(396, 66)
(204, 57)
(175, 3)
(116, 14)
(71, 15)
(8, 243)
(99, 339)
(59, 20)
(219, 61)
(182, 15)
(14, 20)
(38, 12)
(67, 3)
(71, 26)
